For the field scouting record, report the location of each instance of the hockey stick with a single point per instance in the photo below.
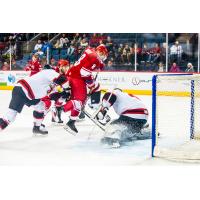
(93, 116)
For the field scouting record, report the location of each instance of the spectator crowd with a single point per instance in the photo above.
(150, 56)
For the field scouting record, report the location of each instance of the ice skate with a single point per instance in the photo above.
(3, 124)
(60, 121)
(40, 130)
(70, 127)
(81, 117)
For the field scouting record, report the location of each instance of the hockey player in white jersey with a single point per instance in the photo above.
(30, 91)
(133, 117)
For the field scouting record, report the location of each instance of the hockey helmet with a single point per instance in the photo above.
(63, 62)
(63, 66)
(102, 51)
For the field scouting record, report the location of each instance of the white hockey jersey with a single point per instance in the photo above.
(38, 85)
(130, 106)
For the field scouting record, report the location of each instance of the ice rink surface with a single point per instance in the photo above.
(18, 146)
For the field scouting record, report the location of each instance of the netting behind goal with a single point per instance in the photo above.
(176, 117)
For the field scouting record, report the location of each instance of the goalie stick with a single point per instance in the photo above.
(93, 116)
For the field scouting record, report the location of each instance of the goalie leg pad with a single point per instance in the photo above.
(96, 97)
(122, 130)
(114, 143)
(144, 134)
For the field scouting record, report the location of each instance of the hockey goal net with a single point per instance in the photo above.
(176, 117)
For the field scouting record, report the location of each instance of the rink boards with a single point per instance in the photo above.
(138, 83)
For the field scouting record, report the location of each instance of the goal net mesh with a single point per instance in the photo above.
(176, 117)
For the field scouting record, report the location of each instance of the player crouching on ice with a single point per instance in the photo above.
(29, 91)
(132, 119)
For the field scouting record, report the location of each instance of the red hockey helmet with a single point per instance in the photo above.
(63, 66)
(102, 51)
(63, 62)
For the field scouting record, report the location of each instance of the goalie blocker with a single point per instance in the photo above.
(133, 116)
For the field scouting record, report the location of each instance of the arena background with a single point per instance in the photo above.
(100, 182)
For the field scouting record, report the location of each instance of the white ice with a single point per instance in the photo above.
(18, 146)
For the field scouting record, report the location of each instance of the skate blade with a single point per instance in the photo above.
(40, 135)
(57, 124)
(80, 120)
(70, 131)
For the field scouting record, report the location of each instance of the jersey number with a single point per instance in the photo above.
(79, 60)
(88, 51)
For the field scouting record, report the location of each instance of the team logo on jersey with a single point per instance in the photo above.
(11, 78)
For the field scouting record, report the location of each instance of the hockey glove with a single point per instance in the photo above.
(93, 86)
(66, 95)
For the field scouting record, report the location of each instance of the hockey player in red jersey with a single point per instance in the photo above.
(34, 65)
(133, 117)
(59, 98)
(29, 91)
(80, 78)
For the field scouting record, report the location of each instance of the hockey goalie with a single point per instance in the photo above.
(132, 122)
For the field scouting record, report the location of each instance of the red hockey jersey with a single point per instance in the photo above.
(87, 63)
(34, 67)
